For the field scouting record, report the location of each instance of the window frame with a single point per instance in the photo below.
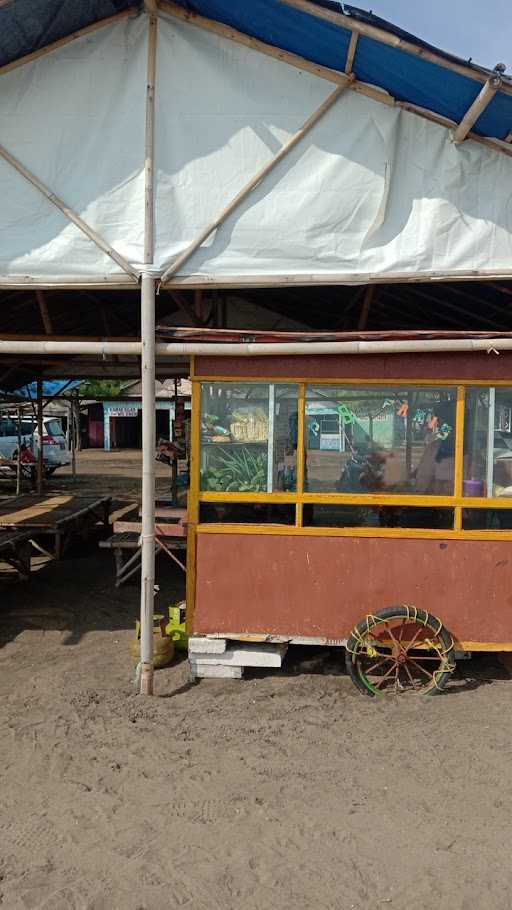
(457, 501)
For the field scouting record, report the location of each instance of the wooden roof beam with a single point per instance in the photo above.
(479, 105)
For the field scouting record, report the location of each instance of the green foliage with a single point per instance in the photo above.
(102, 388)
(240, 471)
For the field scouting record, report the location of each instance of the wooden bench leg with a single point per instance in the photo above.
(125, 570)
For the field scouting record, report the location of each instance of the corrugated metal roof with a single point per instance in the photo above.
(27, 25)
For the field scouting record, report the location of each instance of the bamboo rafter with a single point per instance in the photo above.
(385, 37)
(255, 181)
(69, 213)
(167, 8)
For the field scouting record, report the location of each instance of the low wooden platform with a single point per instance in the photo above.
(125, 542)
(15, 549)
(57, 516)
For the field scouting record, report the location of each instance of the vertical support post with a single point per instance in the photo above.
(73, 440)
(106, 427)
(193, 498)
(149, 156)
(460, 416)
(301, 453)
(148, 483)
(490, 441)
(18, 466)
(174, 466)
(40, 454)
(270, 443)
(147, 591)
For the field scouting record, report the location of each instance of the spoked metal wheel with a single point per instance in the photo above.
(399, 650)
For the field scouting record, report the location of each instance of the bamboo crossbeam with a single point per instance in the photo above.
(69, 213)
(384, 37)
(86, 30)
(254, 182)
(351, 52)
(168, 8)
(479, 105)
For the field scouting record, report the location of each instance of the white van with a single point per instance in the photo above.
(55, 450)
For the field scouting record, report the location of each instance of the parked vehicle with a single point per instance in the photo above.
(56, 453)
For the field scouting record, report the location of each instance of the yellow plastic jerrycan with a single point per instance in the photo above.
(163, 645)
(177, 625)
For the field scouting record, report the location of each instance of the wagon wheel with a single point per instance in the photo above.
(400, 649)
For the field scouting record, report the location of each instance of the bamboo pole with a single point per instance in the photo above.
(385, 37)
(365, 310)
(40, 452)
(73, 438)
(18, 466)
(174, 465)
(254, 182)
(479, 105)
(179, 349)
(169, 9)
(87, 30)
(150, 142)
(147, 302)
(354, 38)
(148, 482)
(45, 315)
(69, 213)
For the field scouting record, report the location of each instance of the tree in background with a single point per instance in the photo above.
(102, 388)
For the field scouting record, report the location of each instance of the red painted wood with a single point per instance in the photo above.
(363, 366)
(323, 586)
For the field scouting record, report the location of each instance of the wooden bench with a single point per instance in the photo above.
(15, 549)
(125, 546)
(58, 517)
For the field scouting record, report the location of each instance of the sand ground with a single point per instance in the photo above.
(286, 790)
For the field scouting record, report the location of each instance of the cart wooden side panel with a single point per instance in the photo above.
(322, 586)
(454, 367)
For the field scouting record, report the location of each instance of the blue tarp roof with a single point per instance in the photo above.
(50, 387)
(26, 25)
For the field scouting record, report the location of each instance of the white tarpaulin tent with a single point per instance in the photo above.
(150, 149)
(372, 189)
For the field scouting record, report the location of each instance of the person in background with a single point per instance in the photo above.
(436, 470)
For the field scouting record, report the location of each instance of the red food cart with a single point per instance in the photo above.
(363, 501)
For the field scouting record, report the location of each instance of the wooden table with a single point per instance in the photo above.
(15, 549)
(58, 516)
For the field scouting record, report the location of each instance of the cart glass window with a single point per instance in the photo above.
(488, 442)
(361, 516)
(248, 437)
(370, 439)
